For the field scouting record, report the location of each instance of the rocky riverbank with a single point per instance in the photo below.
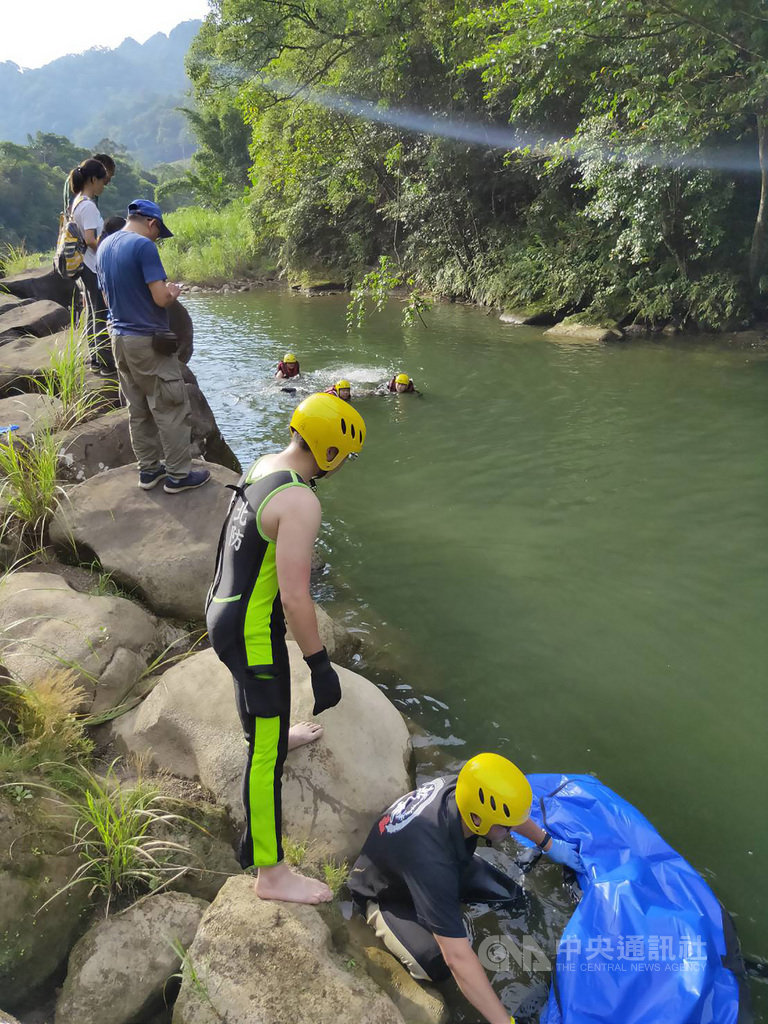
(120, 897)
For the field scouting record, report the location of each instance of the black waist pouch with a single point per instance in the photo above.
(165, 343)
(263, 696)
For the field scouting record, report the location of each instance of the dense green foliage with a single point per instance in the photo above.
(32, 179)
(631, 189)
(209, 246)
(131, 94)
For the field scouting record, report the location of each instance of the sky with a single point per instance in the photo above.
(35, 32)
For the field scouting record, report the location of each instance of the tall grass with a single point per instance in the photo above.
(116, 837)
(210, 246)
(66, 378)
(14, 259)
(28, 489)
(40, 734)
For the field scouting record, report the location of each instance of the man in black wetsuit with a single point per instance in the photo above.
(418, 865)
(261, 579)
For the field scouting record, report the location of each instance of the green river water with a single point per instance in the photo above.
(560, 552)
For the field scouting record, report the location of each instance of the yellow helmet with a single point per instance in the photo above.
(289, 357)
(402, 378)
(342, 384)
(495, 790)
(325, 421)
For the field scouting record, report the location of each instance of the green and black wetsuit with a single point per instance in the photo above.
(246, 626)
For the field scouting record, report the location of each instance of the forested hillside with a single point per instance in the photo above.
(129, 94)
(32, 181)
(632, 189)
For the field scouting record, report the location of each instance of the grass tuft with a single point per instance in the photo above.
(40, 734)
(66, 378)
(29, 487)
(116, 838)
(14, 259)
(335, 874)
(294, 852)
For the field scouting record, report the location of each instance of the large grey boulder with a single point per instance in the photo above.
(118, 969)
(34, 866)
(163, 546)
(95, 446)
(43, 283)
(8, 301)
(260, 962)
(46, 626)
(22, 361)
(332, 789)
(37, 318)
(31, 413)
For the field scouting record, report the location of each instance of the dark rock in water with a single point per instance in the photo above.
(325, 288)
(37, 318)
(534, 316)
(207, 439)
(40, 284)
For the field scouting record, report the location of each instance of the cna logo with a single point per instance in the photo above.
(410, 806)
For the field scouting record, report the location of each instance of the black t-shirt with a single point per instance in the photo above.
(417, 853)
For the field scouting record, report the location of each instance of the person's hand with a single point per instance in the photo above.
(174, 289)
(325, 681)
(563, 853)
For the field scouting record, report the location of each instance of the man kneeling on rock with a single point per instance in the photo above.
(418, 865)
(261, 579)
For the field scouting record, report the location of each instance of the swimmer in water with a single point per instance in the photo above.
(401, 384)
(287, 367)
(342, 389)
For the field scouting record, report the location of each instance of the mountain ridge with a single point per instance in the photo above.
(129, 93)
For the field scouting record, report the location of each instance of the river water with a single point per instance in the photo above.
(561, 550)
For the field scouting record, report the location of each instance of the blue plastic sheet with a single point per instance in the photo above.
(649, 942)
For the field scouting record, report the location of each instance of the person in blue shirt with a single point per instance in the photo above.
(134, 283)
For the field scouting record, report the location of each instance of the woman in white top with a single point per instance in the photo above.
(87, 182)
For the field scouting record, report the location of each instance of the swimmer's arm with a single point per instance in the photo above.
(471, 978)
(292, 517)
(531, 831)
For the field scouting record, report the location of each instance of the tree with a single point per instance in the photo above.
(664, 83)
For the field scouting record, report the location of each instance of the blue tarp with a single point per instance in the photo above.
(649, 942)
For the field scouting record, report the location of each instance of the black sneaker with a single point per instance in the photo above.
(196, 478)
(106, 371)
(149, 478)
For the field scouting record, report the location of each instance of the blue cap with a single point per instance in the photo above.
(146, 208)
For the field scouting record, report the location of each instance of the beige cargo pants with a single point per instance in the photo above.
(158, 407)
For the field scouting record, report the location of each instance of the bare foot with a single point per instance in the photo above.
(304, 732)
(281, 883)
